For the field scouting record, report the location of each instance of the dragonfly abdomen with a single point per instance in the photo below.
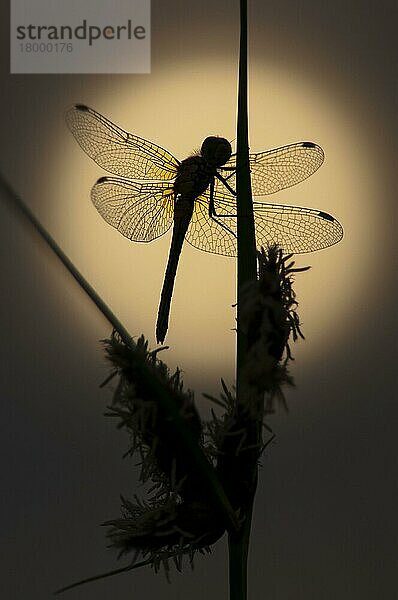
(194, 175)
(183, 210)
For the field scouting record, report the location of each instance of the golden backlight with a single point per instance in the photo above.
(177, 113)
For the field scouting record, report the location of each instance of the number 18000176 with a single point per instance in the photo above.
(46, 47)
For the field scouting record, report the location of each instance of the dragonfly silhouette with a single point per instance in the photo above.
(154, 190)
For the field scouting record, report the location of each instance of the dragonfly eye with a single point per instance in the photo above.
(216, 150)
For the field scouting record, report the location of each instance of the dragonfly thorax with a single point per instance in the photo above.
(194, 175)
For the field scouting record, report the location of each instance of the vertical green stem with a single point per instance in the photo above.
(238, 542)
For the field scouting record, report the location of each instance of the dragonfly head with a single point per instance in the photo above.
(216, 150)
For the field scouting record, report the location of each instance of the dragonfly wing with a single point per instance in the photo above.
(204, 233)
(278, 169)
(116, 150)
(294, 228)
(141, 211)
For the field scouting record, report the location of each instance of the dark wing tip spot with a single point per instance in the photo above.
(308, 145)
(102, 179)
(82, 107)
(326, 216)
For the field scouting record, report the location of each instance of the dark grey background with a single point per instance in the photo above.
(325, 521)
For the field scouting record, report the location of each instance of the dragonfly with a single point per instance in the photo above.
(151, 190)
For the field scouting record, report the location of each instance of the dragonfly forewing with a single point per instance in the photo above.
(277, 169)
(118, 151)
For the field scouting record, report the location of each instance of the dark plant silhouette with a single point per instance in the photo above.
(183, 514)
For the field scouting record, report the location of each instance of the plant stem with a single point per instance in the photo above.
(90, 291)
(247, 265)
(103, 576)
(238, 543)
(238, 548)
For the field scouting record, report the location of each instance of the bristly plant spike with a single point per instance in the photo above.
(179, 517)
(269, 319)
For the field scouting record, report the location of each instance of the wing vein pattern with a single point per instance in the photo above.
(118, 151)
(295, 229)
(278, 169)
(139, 200)
(141, 211)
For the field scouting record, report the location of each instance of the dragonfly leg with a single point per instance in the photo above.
(224, 181)
(212, 211)
(212, 216)
(232, 169)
